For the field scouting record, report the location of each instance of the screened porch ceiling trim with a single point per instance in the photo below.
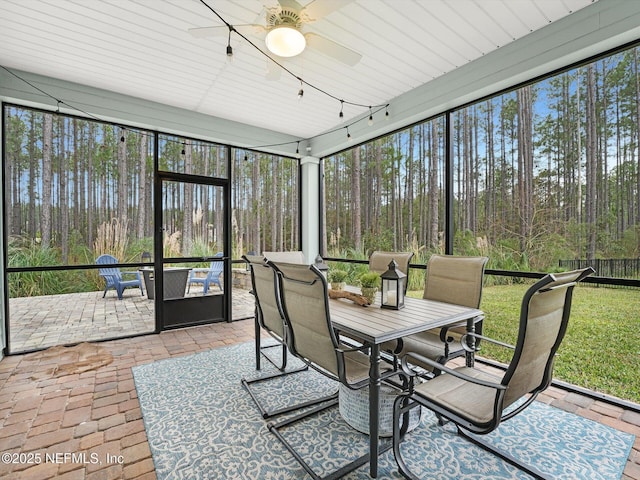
(136, 62)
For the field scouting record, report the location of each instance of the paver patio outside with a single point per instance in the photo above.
(45, 321)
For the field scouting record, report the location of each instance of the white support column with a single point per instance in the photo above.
(310, 191)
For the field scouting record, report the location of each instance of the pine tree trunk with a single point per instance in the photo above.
(63, 200)
(187, 206)
(434, 191)
(357, 209)
(525, 165)
(122, 176)
(47, 177)
(32, 176)
(591, 163)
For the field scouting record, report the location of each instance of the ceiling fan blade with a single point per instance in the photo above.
(333, 49)
(290, 5)
(319, 8)
(223, 30)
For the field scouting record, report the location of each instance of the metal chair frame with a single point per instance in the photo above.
(442, 337)
(337, 368)
(268, 324)
(545, 309)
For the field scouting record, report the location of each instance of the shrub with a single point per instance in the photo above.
(337, 275)
(369, 280)
(30, 284)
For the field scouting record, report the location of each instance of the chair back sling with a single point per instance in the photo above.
(455, 279)
(264, 286)
(295, 256)
(544, 317)
(379, 263)
(305, 306)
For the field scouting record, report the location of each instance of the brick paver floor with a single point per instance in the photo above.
(91, 426)
(45, 321)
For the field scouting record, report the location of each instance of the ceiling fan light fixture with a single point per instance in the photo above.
(285, 41)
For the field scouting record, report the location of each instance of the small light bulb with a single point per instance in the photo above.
(370, 122)
(300, 94)
(229, 49)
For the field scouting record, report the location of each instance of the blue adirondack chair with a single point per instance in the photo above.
(213, 275)
(113, 276)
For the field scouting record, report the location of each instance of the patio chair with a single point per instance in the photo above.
(269, 318)
(212, 275)
(475, 401)
(295, 256)
(379, 262)
(113, 277)
(311, 338)
(450, 279)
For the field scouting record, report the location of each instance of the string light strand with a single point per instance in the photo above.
(324, 92)
(145, 133)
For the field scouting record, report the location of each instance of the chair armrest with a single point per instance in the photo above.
(445, 330)
(200, 270)
(406, 369)
(404, 363)
(463, 341)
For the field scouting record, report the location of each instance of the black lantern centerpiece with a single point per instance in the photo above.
(323, 267)
(393, 281)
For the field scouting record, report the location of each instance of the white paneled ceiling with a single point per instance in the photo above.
(144, 48)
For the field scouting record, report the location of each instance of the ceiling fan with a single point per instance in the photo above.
(284, 34)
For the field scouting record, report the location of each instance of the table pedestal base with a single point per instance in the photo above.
(354, 408)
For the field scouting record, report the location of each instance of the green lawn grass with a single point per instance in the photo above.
(601, 350)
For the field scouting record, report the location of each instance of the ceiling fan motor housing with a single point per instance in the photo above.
(284, 37)
(281, 17)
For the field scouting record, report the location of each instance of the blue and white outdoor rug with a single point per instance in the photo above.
(202, 424)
